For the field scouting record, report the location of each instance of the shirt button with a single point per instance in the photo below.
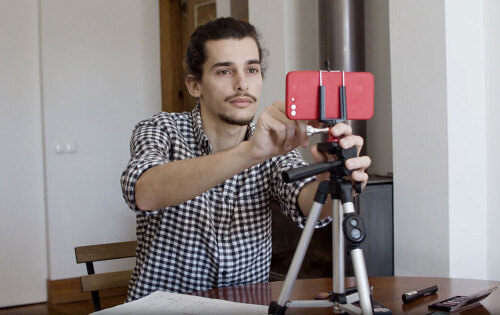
(226, 199)
(224, 273)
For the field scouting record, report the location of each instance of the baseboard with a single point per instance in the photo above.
(68, 290)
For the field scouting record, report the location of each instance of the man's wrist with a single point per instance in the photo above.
(246, 152)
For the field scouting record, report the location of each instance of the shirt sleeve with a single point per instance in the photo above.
(149, 147)
(287, 193)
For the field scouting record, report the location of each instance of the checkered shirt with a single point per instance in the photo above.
(219, 238)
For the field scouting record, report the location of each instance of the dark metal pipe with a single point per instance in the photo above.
(342, 34)
(342, 41)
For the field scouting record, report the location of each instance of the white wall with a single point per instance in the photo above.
(101, 75)
(274, 41)
(23, 249)
(444, 72)
(465, 72)
(420, 146)
(291, 45)
(82, 72)
(302, 36)
(492, 84)
(223, 7)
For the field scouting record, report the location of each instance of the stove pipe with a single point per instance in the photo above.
(342, 42)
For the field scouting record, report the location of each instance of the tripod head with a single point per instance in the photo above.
(336, 168)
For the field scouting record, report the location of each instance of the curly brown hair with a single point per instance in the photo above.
(221, 28)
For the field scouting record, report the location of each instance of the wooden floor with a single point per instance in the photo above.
(76, 308)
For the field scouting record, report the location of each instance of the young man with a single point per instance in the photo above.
(201, 183)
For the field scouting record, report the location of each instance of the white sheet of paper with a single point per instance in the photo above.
(172, 303)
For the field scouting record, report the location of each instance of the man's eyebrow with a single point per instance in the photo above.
(253, 62)
(222, 64)
(229, 64)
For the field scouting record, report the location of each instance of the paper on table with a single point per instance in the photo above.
(172, 303)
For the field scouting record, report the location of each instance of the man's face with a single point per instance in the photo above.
(231, 83)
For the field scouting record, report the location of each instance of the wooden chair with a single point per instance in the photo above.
(94, 282)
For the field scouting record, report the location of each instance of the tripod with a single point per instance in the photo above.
(347, 227)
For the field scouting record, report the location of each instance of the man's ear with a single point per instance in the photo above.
(193, 85)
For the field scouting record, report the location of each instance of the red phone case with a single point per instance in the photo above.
(302, 94)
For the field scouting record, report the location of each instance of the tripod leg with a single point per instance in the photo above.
(358, 261)
(279, 307)
(300, 252)
(338, 248)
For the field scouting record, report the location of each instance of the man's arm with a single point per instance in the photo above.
(306, 199)
(178, 181)
(175, 182)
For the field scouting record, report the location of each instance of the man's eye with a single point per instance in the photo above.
(253, 70)
(223, 72)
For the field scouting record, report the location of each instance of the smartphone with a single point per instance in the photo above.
(302, 94)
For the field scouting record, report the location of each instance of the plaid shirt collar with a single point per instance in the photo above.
(201, 137)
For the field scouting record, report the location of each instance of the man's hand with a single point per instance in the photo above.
(275, 134)
(358, 165)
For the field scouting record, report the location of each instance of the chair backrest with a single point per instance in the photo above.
(94, 282)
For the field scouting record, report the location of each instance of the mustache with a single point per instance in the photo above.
(240, 95)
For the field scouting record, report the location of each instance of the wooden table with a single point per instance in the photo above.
(386, 290)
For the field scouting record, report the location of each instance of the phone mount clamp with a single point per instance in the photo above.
(322, 98)
(348, 227)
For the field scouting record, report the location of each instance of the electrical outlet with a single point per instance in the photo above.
(60, 149)
(71, 147)
(66, 147)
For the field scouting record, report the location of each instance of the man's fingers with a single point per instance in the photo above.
(303, 137)
(359, 176)
(290, 135)
(284, 133)
(278, 130)
(358, 163)
(351, 141)
(289, 132)
(341, 129)
(295, 130)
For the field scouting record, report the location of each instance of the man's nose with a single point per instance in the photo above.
(240, 83)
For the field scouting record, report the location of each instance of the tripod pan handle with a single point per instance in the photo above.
(302, 172)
